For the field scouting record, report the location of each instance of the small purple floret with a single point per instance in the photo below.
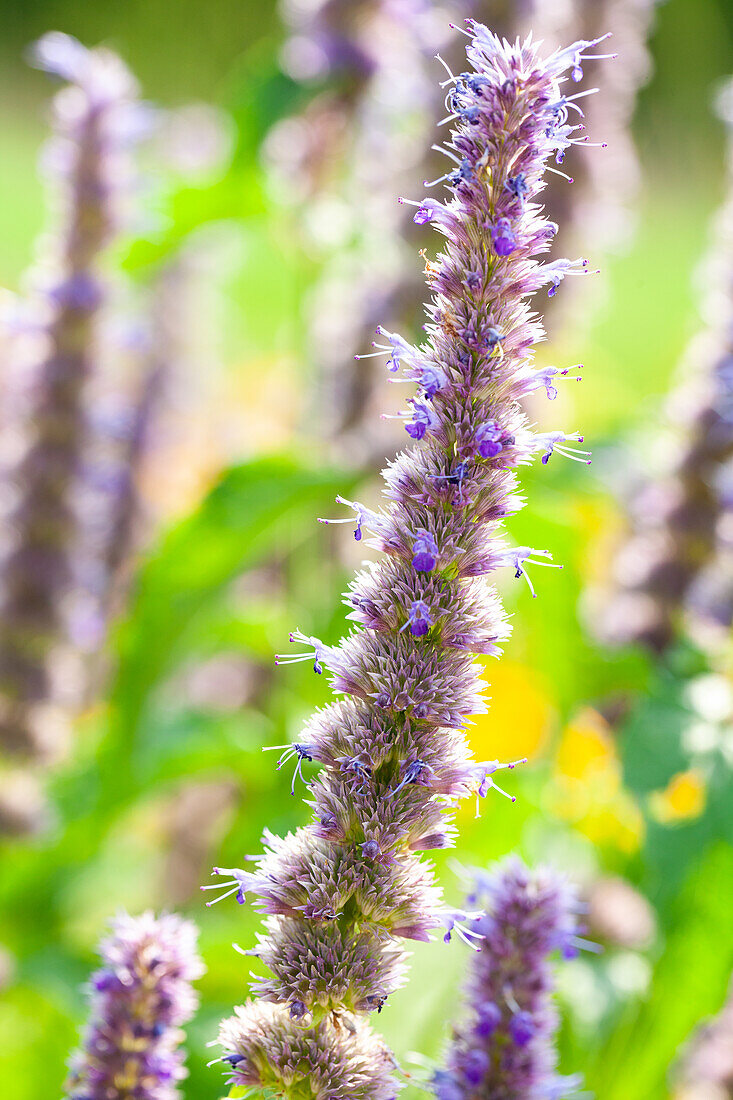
(143, 991)
(425, 551)
(503, 237)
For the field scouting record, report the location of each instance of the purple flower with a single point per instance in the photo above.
(517, 186)
(549, 442)
(96, 120)
(267, 1046)
(675, 569)
(425, 552)
(474, 1067)
(488, 1018)
(342, 895)
(139, 1001)
(522, 1028)
(488, 439)
(420, 422)
(503, 237)
(504, 1046)
(418, 619)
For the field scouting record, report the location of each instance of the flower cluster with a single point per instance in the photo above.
(96, 119)
(505, 1046)
(342, 895)
(140, 998)
(326, 1062)
(679, 553)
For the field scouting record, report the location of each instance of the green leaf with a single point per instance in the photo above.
(689, 984)
(257, 510)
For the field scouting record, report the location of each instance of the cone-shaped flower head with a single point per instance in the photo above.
(505, 1047)
(140, 999)
(268, 1048)
(342, 895)
(96, 118)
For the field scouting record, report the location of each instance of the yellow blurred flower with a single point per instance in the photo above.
(683, 799)
(518, 720)
(586, 746)
(587, 789)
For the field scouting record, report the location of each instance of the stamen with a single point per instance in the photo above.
(434, 183)
(228, 894)
(580, 95)
(447, 68)
(557, 172)
(446, 153)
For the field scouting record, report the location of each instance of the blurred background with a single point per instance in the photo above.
(264, 207)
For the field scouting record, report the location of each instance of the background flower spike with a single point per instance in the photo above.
(504, 1045)
(140, 999)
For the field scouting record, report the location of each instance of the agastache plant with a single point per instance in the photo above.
(342, 895)
(505, 1046)
(353, 149)
(140, 998)
(96, 118)
(680, 516)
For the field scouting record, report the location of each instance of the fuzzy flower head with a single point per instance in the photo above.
(140, 998)
(267, 1047)
(505, 1047)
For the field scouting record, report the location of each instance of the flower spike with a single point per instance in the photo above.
(344, 894)
(140, 998)
(504, 1044)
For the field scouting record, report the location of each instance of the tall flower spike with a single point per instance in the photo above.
(682, 518)
(96, 117)
(342, 895)
(140, 999)
(131, 421)
(504, 1047)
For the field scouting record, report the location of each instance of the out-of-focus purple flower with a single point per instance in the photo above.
(704, 1069)
(619, 914)
(343, 895)
(96, 120)
(23, 807)
(140, 999)
(505, 1045)
(678, 554)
